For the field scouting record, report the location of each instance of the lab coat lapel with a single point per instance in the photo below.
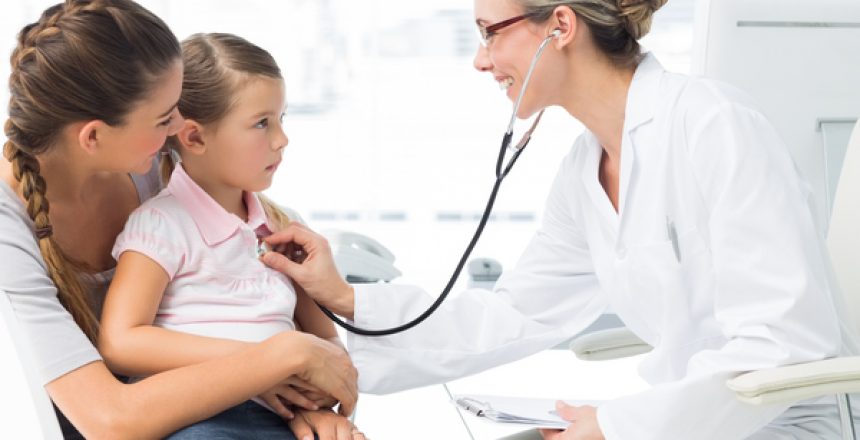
(641, 106)
(591, 182)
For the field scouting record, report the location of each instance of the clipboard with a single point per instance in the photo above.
(535, 413)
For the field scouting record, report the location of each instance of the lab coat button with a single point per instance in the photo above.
(621, 253)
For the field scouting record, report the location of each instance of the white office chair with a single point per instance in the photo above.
(839, 376)
(25, 409)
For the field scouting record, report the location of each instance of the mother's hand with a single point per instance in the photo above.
(317, 274)
(323, 365)
(326, 424)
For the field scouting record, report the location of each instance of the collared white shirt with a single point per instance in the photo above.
(218, 286)
(713, 258)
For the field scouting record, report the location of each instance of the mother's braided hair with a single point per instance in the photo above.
(82, 60)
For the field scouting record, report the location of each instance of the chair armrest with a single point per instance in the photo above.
(798, 382)
(608, 344)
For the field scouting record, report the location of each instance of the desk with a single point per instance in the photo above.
(425, 413)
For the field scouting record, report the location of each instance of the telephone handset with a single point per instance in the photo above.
(361, 259)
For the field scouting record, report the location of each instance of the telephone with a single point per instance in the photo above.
(361, 259)
(483, 272)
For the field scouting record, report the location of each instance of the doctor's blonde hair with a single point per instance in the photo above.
(81, 61)
(615, 25)
(215, 67)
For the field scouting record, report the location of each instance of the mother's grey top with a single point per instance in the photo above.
(57, 343)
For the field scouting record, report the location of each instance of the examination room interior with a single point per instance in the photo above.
(393, 136)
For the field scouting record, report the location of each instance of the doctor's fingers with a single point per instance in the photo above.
(551, 434)
(298, 233)
(281, 263)
(575, 413)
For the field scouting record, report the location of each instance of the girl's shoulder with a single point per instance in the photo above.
(162, 212)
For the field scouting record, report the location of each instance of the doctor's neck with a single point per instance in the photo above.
(599, 55)
(597, 96)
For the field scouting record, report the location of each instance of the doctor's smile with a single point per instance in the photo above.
(699, 221)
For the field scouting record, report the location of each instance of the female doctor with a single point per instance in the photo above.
(679, 208)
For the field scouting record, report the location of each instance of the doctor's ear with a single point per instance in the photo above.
(563, 25)
(191, 137)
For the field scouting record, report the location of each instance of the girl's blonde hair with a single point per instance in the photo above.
(82, 60)
(616, 25)
(216, 67)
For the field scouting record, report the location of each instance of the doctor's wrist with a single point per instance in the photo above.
(344, 302)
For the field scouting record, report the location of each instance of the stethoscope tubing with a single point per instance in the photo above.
(501, 173)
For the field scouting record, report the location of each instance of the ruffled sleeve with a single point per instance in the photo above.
(153, 233)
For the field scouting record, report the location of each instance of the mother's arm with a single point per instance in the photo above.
(102, 407)
(99, 405)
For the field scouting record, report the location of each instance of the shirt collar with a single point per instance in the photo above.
(213, 221)
(642, 96)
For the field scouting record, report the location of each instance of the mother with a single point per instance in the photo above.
(94, 89)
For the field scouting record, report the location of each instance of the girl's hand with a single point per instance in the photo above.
(584, 424)
(317, 274)
(295, 392)
(326, 424)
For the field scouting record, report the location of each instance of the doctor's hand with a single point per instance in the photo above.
(583, 424)
(317, 274)
(326, 424)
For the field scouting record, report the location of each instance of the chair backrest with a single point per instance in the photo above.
(799, 61)
(843, 238)
(25, 408)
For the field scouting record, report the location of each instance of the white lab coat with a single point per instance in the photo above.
(748, 288)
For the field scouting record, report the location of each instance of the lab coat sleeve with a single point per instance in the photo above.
(772, 297)
(549, 296)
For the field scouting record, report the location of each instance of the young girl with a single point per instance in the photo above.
(189, 285)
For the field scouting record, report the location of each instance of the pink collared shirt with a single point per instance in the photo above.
(218, 287)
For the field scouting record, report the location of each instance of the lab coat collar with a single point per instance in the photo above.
(642, 96)
(640, 109)
(213, 221)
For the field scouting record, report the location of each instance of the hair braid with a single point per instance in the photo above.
(61, 269)
(82, 60)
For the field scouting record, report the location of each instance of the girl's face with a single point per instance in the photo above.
(132, 146)
(509, 53)
(243, 150)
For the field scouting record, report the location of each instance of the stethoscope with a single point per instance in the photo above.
(501, 173)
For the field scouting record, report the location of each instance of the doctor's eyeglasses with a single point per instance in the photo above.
(486, 33)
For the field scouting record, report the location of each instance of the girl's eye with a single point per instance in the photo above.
(281, 118)
(263, 123)
(165, 122)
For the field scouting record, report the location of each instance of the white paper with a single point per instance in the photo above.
(536, 413)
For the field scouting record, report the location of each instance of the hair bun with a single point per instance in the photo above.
(637, 15)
